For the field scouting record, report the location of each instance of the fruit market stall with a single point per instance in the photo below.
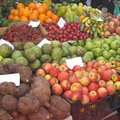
(58, 60)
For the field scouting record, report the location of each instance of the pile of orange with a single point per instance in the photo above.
(33, 11)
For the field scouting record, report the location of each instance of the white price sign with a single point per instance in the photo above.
(44, 41)
(74, 61)
(15, 78)
(7, 43)
(34, 24)
(61, 22)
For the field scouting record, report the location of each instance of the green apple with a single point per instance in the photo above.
(118, 51)
(96, 39)
(106, 55)
(93, 60)
(97, 52)
(100, 58)
(112, 52)
(81, 43)
(89, 46)
(75, 43)
(1, 58)
(108, 41)
(114, 45)
(105, 47)
(111, 59)
(117, 57)
(88, 40)
(97, 44)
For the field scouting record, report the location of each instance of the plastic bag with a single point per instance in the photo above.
(116, 9)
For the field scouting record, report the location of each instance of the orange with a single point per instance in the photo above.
(35, 12)
(45, 6)
(49, 14)
(26, 12)
(16, 18)
(33, 16)
(55, 18)
(41, 10)
(23, 19)
(16, 12)
(20, 12)
(12, 11)
(20, 5)
(32, 6)
(49, 20)
(43, 17)
(10, 17)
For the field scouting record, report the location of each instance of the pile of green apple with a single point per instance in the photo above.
(96, 80)
(107, 49)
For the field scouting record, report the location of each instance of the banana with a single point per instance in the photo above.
(87, 25)
(88, 31)
(93, 16)
(85, 19)
(98, 30)
(88, 21)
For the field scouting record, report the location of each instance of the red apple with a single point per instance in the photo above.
(112, 29)
(94, 70)
(48, 67)
(113, 71)
(84, 65)
(75, 96)
(63, 76)
(107, 33)
(111, 23)
(63, 68)
(78, 74)
(53, 81)
(88, 69)
(57, 89)
(76, 87)
(102, 83)
(67, 94)
(110, 82)
(40, 72)
(114, 34)
(54, 72)
(95, 65)
(70, 73)
(108, 66)
(93, 96)
(65, 84)
(76, 68)
(55, 65)
(89, 64)
(85, 90)
(93, 86)
(85, 74)
(73, 79)
(115, 77)
(85, 81)
(105, 27)
(47, 76)
(105, 75)
(93, 76)
(118, 30)
(117, 23)
(102, 92)
(110, 89)
(85, 99)
(101, 69)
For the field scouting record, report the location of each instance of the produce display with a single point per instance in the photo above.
(32, 12)
(14, 33)
(96, 80)
(31, 101)
(50, 87)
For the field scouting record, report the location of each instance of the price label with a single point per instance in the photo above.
(7, 43)
(44, 41)
(61, 22)
(34, 24)
(15, 78)
(74, 61)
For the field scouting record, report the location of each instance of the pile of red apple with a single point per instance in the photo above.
(96, 80)
(112, 28)
(70, 31)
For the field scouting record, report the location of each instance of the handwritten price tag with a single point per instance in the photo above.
(61, 22)
(74, 61)
(15, 78)
(34, 24)
(44, 41)
(7, 43)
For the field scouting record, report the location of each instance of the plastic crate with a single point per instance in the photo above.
(96, 110)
